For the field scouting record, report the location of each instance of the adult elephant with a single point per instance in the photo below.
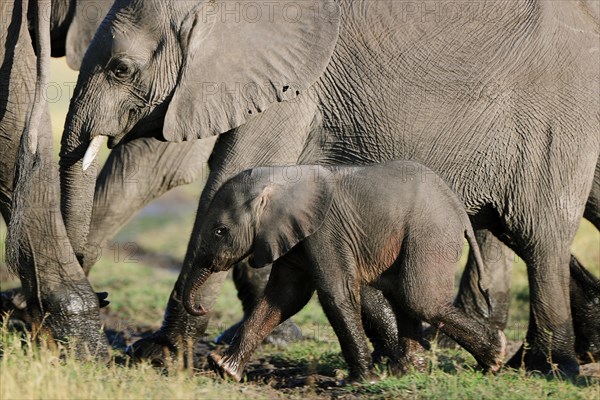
(495, 99)
(133, 175)
(53, 284)
(55, 289)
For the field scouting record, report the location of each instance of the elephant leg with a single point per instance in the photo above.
(136, 173)
(288, 290)
(429, 299)
(342, 308)
(499, 261)
(487, 345)
(410, 337)
(336, 279)
(550, 334)
(58, 296)
(276, 137)
(585, 308)
(584, 292)
(379, 322)
(250, 284)
(585, 289)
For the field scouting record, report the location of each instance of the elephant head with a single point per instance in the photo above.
(261, 215)
(180, 70)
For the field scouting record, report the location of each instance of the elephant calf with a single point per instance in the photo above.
(395, 226)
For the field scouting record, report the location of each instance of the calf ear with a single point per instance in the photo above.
(88, 15)
(241, 57)
(288, 212)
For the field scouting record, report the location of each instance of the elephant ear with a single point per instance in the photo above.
(238, 63)
(287, 211)
(88, 15)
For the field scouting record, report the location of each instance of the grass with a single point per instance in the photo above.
(139, 285)
(36, 372)
(138, 292)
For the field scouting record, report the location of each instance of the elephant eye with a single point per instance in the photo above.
(122, 69)
(221, 231)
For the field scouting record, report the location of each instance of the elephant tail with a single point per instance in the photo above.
(482, 281)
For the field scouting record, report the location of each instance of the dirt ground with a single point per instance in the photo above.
(264, 369)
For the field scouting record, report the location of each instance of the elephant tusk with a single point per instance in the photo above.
(92, 151)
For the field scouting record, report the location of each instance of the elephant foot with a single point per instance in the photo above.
(361, 379)
(225, 366)
(534, 361)
(14, 306)
(76, 324)
(409, 357)
(498, 359)
(70, 318)
(83, 333)
(156, 348)
(285, 333)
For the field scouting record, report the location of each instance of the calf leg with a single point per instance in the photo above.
(339, 295)
(379, 322)
(287, 292)
(343, 313)
(250, 284)
(426, 286)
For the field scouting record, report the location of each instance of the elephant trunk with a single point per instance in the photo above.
(195, 280)
(76, 182)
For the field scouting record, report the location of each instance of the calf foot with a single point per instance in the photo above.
(499, 360)
(496, 359)
(225, 366)
(412, 356)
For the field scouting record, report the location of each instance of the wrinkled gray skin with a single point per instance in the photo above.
(133, 175)
(335, 230)
(584, 287)
(511, 89)
(55, 289)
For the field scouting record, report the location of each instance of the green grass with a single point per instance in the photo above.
(38, 372)
(138, 294)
